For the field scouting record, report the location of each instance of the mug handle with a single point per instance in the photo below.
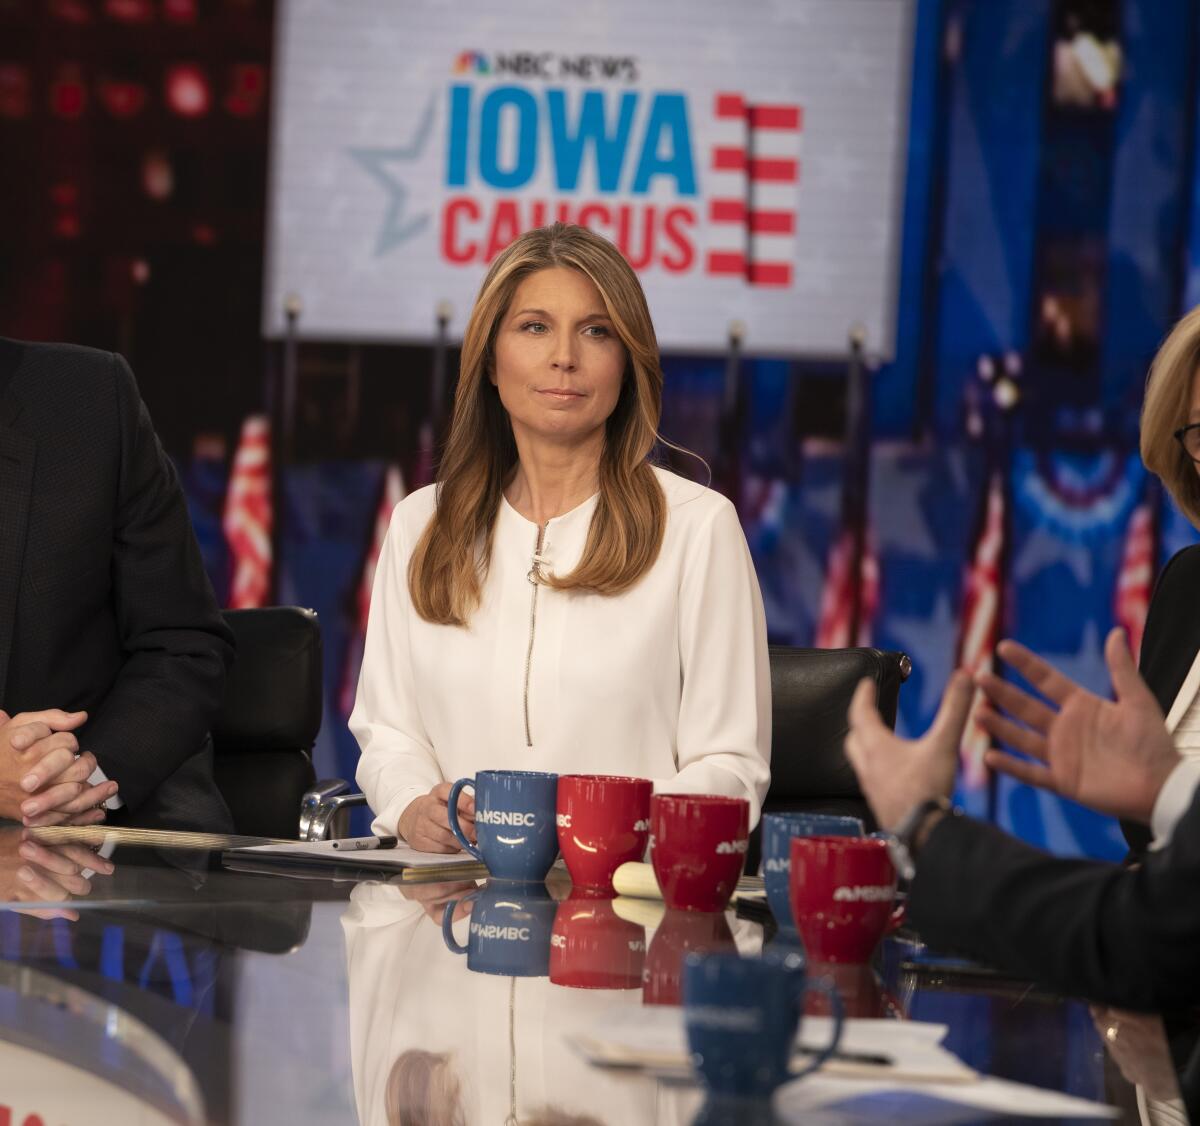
(896, 919)
(452, 815)
(835, 1004)
(448, 922)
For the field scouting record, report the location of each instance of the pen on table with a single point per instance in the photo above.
(844, 1056)
(359, 843)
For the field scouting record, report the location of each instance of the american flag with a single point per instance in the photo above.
(1135, 581)
(837, 628)
(391, 495)
(981, 617)
(248, 517)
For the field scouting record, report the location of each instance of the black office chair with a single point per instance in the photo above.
(264, 736)
(810, 692)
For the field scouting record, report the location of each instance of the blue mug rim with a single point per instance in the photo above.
(800, 815)
(515, 774)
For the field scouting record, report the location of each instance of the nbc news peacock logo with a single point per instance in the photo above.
(548, 65)
(472, 62)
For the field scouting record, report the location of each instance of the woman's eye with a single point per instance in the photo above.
(598, 332)
(534, 327)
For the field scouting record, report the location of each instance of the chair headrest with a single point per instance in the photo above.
(274, 690)
(810, 693)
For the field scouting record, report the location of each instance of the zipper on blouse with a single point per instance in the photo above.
(534, 576)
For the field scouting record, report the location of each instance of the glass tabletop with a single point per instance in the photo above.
(177, 990)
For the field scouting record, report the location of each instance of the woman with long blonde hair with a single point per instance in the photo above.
(556, 602)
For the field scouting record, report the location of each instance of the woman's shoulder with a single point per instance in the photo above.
(1180, 572)
(410, 515)
(688, 501)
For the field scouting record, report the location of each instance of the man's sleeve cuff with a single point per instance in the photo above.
(1173, 801)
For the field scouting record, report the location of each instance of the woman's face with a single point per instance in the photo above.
(558, 360)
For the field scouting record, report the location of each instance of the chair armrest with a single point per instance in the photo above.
(320, 805)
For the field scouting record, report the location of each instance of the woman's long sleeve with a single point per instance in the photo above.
(724, 733)
(398, 762)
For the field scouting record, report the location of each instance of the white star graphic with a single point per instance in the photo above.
(930, 644)
(897, 518)
(1043, 549)
(397, 228)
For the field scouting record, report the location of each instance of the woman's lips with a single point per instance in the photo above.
(561, 395)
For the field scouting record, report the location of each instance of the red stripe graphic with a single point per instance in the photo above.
(770, 273)
(774, 171)
(727, 158)
(772, 222)
(777, 117)
(727, 211)
(730, 105)
(726, 262)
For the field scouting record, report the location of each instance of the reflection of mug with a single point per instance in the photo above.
(698, 845)
(680, 933)
(592, 947)
(842, 893)
(863, 995)
(509, 931)
(603, 821)
(514, 822)
(778, 831)
(743, 1016)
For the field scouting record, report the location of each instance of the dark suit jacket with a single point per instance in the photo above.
(1169, 646)
(104, 602)
(1127, 937)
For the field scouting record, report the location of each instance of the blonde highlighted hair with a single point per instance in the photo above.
(1165, 409)
(453, 554)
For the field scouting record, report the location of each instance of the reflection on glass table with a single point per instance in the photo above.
(331, 1000)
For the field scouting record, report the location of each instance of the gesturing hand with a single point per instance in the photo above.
(425, 824)
(1111, 755)
(896, 774)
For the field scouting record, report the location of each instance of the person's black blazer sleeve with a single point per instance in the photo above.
(176, 645)
(1128, 937)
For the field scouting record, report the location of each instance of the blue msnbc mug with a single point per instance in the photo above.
(510, 928)
(778, 831)
(515, 822)
(743, 1016)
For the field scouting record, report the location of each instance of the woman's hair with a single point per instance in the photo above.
(423, 1090)
(454, 552)
(1165, 410)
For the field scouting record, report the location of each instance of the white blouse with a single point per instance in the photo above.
(1183, 723)
(668, 680)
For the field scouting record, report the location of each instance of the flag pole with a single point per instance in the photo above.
(731, 412)
(442, 313)
(856, 460)
(283, 430)
(292, 308)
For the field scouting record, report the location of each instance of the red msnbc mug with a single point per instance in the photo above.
(592, 947)
(698, 846)
(603, 821)
(843, 890)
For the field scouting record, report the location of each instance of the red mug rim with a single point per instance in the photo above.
(602, 778)
(700, 799)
